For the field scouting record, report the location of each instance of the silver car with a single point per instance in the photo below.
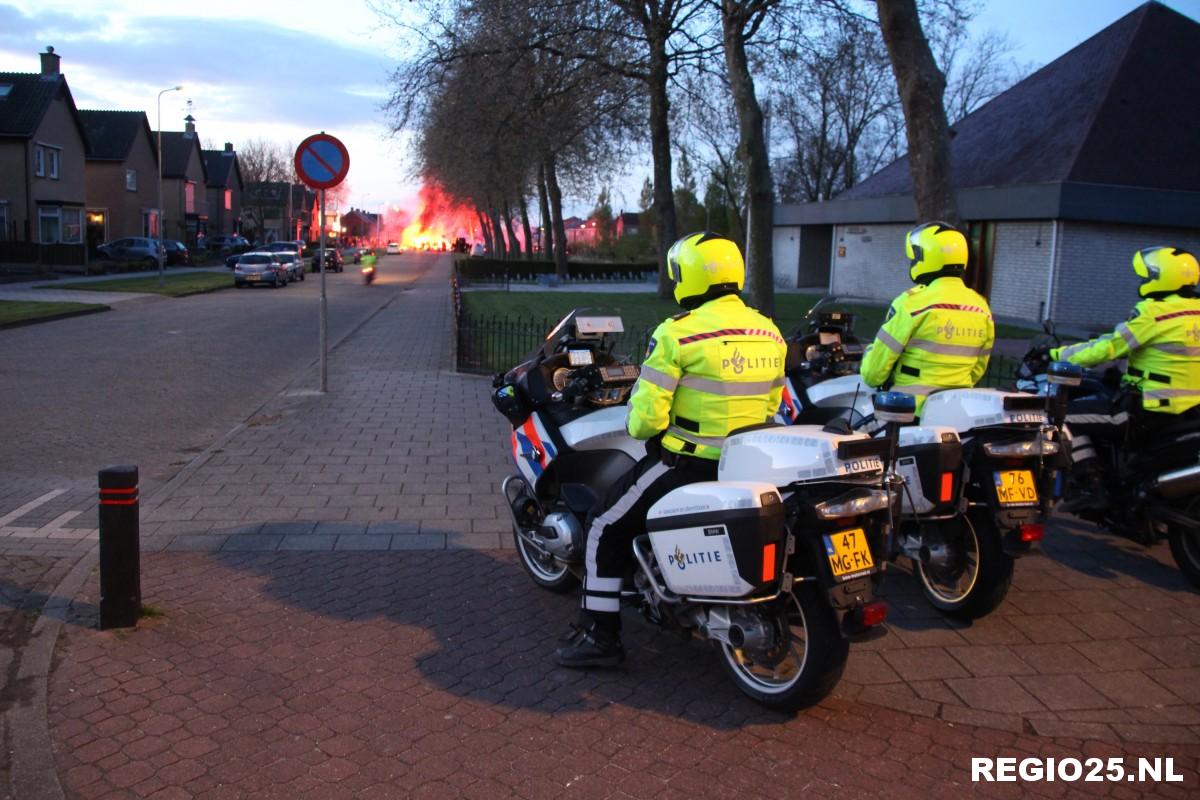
(253, 269)
(293, 262)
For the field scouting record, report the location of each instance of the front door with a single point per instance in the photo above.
(97, 229)
(981, 239)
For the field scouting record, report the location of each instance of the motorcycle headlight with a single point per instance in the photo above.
(1032, 447)
(853, 504)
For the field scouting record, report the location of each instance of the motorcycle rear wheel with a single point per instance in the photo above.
(810, 669)
(977, 583)
(1185, 544)
(546, 572)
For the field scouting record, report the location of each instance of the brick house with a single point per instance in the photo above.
(42, 186)
(184, 185)
(360, 226)
(225, 189)
(265, 211)
(1060, 179)
(122, 173)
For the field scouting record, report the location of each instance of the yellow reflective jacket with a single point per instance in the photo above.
(708, 372)
(1161, 338)
(937, 336)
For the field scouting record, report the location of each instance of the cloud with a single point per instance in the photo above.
(19, 28)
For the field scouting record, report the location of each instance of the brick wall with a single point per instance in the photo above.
(1095, 287)
(869, 261)
(1020, 267)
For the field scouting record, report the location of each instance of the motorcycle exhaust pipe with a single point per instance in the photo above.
(936, 556)
(1178, 483)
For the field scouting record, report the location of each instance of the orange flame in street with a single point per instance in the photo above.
(438, 221)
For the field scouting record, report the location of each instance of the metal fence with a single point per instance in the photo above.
(492, 344)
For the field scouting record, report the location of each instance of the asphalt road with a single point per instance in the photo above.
(152, 383)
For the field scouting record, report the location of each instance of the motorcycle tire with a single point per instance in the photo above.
(1185, 544)
(553, 576)
(981, 590)
(807, 677)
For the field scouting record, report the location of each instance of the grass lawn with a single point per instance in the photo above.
(645, 310)
(12, 311)
(176, 285)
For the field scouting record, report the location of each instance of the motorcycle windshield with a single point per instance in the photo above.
(832, 313)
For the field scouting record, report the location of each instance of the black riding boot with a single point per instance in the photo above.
(594, 642)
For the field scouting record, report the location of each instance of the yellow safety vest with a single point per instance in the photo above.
(708, 372)
(1161, 338)
(937, 336)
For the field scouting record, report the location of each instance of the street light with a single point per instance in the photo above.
(162, 252)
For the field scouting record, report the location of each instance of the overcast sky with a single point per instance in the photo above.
(282, 69)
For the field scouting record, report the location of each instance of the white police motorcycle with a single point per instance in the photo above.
(774, 562)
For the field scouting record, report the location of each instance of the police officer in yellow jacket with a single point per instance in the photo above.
(1161, 338)
(715, 368)
(938, 334)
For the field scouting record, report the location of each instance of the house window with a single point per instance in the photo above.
(53, 153)
(3, 222)
(228, 199)
(39, 161)
(72, 225)
(131, 180)
(50, 225)
(189, 197)
(150, 224)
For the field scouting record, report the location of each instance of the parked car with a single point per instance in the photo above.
(394, 249)
(333, 260)
(260, 268)
(351, 254)
(133, 250)
(239, 243)
(294, 264)
(177, 252)
(283, 247)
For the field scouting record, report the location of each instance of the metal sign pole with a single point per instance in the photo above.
(324, 309)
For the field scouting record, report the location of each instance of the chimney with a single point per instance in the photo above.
(189, 126)
(50, 61)
(229, 147)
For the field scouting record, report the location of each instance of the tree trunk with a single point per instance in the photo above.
(497, 233)
(560, 228)
(921, 86)
(524, 207)
(660, 146)
(547, 229)
(514, 245)
(485, 231)
(752, 150)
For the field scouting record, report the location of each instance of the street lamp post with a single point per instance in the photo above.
(162, 252)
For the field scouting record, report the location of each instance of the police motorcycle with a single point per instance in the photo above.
(774, 562)
(1151, 481)
(980, 471)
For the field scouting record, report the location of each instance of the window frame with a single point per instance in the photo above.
(55, 161)
(131, 180)
(189, 197)
(49, 213)
(64, 213)
(39, 161)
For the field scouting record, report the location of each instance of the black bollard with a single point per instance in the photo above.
(120, 557)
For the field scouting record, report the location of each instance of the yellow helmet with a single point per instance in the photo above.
(935, 249)
(703, 266)
(1165, 270)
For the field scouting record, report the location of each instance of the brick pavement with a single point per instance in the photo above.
(358, 675)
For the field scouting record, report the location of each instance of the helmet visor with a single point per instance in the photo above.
(917, 253)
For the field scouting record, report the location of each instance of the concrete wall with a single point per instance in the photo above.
(868, 261)
(785, 255)
(1095, 287)
(1021, 269)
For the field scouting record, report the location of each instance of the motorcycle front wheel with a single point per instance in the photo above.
(807, 663)
(1185, 544)
(547, 572)
(976, 578)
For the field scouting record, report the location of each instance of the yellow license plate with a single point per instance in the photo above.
(1016, 487)
(849, 554)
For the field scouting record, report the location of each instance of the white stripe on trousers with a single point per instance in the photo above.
(612, 514)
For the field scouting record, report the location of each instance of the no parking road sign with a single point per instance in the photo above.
(322, 161)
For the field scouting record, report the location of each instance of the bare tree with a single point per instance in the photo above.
(921, 86)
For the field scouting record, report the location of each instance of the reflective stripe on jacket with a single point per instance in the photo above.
(706, 373)
(937, 336)
(1161, 339)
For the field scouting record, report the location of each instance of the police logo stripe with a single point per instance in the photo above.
(698, 337)
(1174, 314)
(950, 307)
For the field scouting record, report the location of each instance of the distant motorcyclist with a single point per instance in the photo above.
(1162, 341)
(717, 367)
(938, 334)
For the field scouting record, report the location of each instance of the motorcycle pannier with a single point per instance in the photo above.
(930, 461)
(719, 539)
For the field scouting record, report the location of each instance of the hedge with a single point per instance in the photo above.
(483, 269)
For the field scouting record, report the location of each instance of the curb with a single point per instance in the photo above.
(34, 773)
(83, 312)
